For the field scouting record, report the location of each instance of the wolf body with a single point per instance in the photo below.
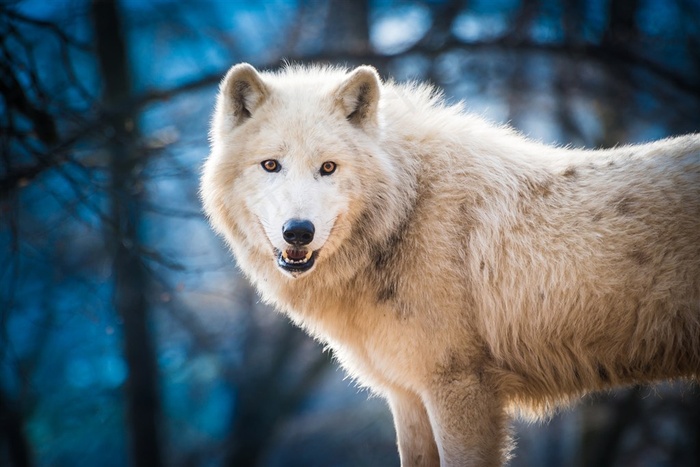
(458, 269)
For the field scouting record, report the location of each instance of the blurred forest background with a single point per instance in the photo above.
(127, 336)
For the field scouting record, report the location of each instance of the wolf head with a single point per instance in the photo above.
(295, 161)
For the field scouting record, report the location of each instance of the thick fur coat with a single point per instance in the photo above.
(460, 270)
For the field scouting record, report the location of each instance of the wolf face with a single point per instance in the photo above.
(287, 178)
(300, 204)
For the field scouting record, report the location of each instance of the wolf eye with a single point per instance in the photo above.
(271, 165)
(328, 167)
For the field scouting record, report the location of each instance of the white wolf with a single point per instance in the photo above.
(460, 270)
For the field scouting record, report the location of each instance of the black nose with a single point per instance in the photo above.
(298, 232)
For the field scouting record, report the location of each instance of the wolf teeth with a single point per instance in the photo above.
(306, 258)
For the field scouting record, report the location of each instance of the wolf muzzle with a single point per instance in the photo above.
(297, 258)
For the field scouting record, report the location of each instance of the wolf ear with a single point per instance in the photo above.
(241, 92)
(358, 96)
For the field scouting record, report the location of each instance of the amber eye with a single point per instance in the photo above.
(328, 168)
(271, 165)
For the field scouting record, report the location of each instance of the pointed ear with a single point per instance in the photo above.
(241, 92)
(358, 96)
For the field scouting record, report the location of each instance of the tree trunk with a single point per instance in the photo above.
(130, 284)
(347, 27)
(12, 438)
(622, 24)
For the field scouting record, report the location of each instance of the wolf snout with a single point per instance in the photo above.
(298, 232)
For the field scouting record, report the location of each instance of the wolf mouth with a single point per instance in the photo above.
(295, 260)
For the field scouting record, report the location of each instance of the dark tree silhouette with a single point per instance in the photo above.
(127, 192)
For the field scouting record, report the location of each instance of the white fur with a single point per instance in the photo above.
(463, 271)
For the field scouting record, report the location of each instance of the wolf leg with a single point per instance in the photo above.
(469, 422)
(416, 442)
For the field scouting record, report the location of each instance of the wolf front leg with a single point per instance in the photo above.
(416, 442)
(469, 422)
